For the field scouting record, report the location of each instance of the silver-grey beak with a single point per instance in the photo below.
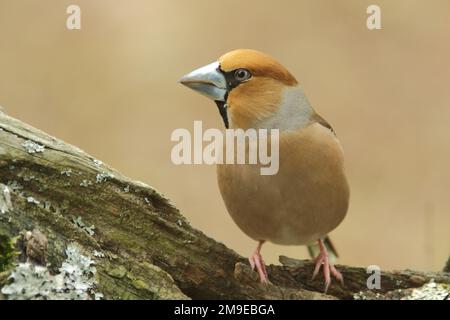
(207, 80)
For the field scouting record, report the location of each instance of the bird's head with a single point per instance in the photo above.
(250, 88)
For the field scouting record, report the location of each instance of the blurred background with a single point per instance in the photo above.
(111, 88)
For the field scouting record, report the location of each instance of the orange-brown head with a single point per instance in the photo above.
(259, 64)
(249, 87)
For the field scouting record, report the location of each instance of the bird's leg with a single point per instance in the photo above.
(328, 268)
(257, 261)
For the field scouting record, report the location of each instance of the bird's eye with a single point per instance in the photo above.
(242, 75)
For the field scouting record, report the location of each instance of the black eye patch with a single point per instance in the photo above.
(232, 81)
(230, 78)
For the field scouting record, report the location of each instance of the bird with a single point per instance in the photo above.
(309, 195)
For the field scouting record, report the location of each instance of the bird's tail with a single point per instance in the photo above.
(314, 249)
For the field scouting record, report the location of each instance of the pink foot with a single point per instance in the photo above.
(328, 268)
(256, 261)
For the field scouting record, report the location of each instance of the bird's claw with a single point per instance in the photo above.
(256, 261)
(328, 269)
(337, 274)
(252, 263)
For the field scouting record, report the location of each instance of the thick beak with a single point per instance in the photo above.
(207, 80)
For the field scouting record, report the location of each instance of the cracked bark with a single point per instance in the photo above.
(151, 251)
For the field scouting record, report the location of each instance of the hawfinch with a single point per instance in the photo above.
(309, 195)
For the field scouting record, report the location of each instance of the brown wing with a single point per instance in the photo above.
(317, 118)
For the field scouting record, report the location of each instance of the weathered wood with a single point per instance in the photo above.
(150, 250)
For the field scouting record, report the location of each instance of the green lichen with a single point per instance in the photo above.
(140, 284)
(430, 291)
(98, 254)
(5, 199)
(86, 183)
(104, 176)
(118, 272)
(80, 224)
(33, 147)
(66, 172)
(7, 252)
(75, 280)
(32, 200)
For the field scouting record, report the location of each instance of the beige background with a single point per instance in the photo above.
(112, 89)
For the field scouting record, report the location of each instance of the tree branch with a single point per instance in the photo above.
(143, 247)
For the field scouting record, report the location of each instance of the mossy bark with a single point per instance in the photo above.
(150, 250)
